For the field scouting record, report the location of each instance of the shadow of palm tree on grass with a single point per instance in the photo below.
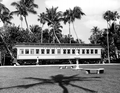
(59, 79)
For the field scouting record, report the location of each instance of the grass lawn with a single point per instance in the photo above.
(54, 80)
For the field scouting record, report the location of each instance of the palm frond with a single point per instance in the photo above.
(35, 5)
(42, 18)
(4, 8)
(15, 12)
(108, 15)
(16, 4)
(32, 11)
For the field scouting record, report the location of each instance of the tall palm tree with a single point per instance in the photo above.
(109, 16)
(19, 11)
(53, 19)
(77, 11)
(23, 8)
(42, 21)
(70, 16)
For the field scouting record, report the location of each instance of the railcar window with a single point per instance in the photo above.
(48, 51)
(73, 51)
(96, 51)
(68, 51)
(53, 51)
(78, 50)
(37, 51)
(26, 51)
(21, 51)
(64, 51)
(42, 51)
(91, 51)
(87, 51)
(83, 51)
(32, 51)
(58, 51)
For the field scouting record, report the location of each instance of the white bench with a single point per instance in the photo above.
(65, 67)
(95, 70)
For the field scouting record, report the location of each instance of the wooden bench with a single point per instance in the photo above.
(95, 70)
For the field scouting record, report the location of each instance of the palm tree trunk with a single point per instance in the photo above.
(108, 44)
(69, 33)
(114, 40)
(54, 31)
(21, 24)
(42, 34)
(26, 23)
(53, 40)
(56, 35)
(21, 21)
(75, 32)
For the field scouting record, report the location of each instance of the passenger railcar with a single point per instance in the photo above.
(58, 51)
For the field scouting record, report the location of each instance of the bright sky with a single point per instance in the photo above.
(93, 9)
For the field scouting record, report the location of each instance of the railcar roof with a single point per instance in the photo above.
(57, 45)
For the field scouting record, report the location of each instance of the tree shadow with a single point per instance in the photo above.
(59, 79)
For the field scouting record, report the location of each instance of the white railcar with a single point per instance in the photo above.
(58, 51)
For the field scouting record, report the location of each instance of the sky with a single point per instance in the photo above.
(94, 9)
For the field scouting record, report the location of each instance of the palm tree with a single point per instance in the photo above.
(77, 14)
(53, 19)
(42, 21)
(95, 34)
(23, 8)
(70, 16)
(19, 11)
(35, 28)
(109, 16)
(5, 17)
(95, 30)
(56, 31)
(36, 32)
